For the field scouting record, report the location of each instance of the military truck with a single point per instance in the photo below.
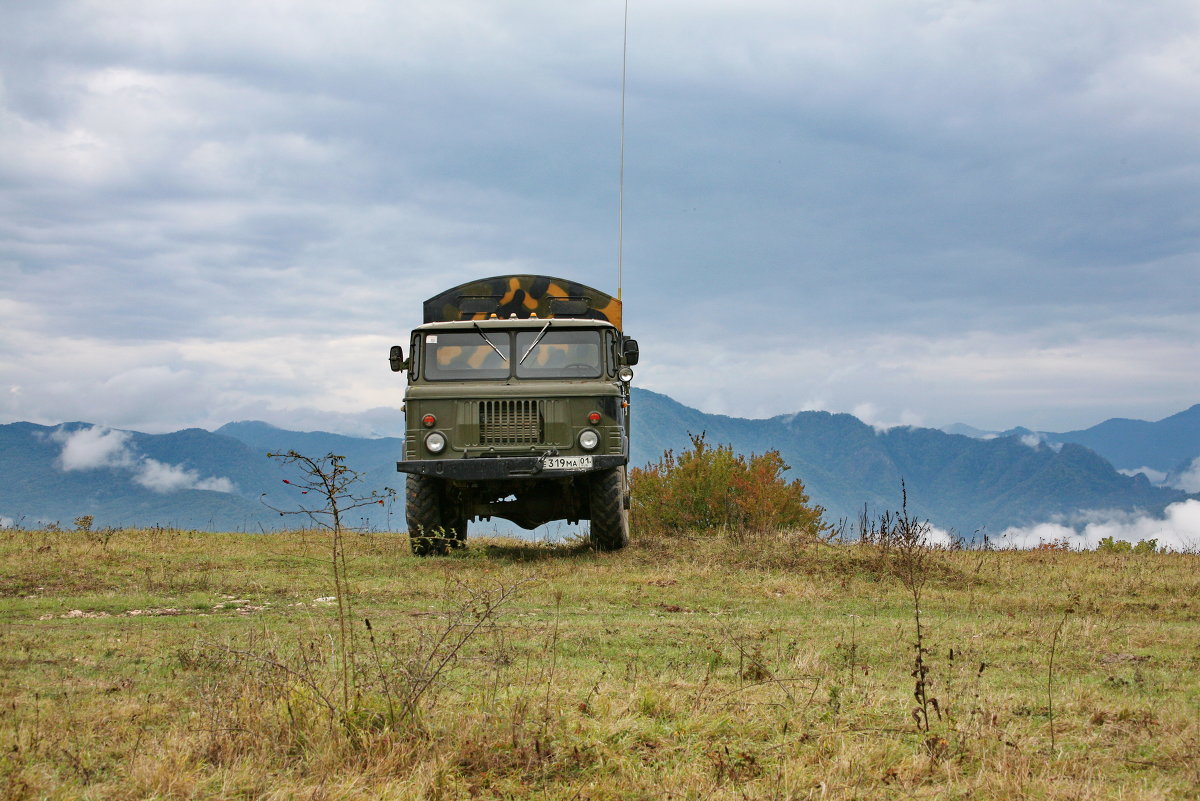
(517, 407)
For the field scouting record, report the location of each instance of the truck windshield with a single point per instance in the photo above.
(562, 353)
(464, 355)
(470, 356)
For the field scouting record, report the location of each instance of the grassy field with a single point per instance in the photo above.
(168, 664)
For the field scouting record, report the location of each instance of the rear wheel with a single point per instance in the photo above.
(609, 517)
(431, 528)
(456, 527)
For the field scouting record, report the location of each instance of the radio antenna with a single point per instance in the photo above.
(621, 170)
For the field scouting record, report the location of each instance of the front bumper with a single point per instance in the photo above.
(501, 468)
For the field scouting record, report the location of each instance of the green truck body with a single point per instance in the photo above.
(517, 407)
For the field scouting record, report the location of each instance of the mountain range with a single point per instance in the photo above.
(968, 482)
(219, 480)
(1168, 446)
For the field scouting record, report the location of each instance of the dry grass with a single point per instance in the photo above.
(167, 664)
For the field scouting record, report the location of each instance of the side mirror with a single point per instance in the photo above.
(631, 351)
(396, 358)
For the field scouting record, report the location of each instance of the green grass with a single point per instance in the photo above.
(189, 665)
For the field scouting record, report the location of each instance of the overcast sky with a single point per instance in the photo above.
(920, 211)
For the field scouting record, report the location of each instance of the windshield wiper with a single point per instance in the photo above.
(493, 344)
(535, 341)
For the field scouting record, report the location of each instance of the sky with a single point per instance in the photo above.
(918, 211)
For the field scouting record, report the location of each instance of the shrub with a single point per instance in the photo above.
(1110, 545)
(708, 488)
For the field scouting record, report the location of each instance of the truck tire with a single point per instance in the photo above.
(609, 517)
(423, 508)
(456, 526)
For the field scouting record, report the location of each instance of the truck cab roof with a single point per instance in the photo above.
(535, 323)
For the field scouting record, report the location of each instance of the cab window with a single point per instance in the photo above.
(565, 353)
(458, 355)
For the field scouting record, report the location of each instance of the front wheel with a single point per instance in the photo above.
(433, 524)
(609, 517)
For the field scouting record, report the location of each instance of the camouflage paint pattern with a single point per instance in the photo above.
(524, 296)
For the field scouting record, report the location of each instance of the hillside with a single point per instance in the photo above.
(215, 480)
(958, 482)
(1129, 444)
(212, 481)
(168, 664)
(1168, 445)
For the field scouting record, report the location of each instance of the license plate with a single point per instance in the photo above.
(567, 463)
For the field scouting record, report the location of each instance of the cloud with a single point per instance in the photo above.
(163, 386)
(93, 448)
(98, 447)
(870, 414)
(1189, 479)
(1156, 477)
(161, 477)
(1052, 376)
(880, 202)
(1178, 530)
(939, 538)
(1036, 440)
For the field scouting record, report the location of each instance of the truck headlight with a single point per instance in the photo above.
(435, 442)
(588, 439)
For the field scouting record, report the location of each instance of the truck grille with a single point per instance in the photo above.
(511, 422)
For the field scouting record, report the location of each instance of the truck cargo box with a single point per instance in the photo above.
(523, 296)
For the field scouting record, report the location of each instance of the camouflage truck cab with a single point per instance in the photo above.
(517, 407)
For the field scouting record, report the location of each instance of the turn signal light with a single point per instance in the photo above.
(429, 421)
(594, 418)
